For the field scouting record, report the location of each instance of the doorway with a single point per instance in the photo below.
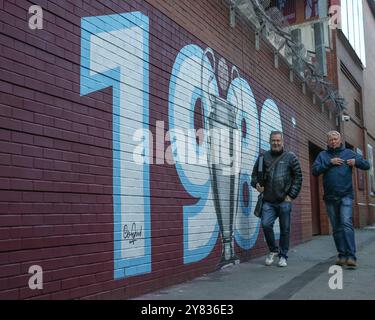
(356, 189)
(314, 190)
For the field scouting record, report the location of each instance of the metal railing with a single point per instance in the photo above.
(271, 24)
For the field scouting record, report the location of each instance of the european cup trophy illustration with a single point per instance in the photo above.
(223, 156)
(224, 161)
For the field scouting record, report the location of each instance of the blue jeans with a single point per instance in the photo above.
(270, 212)
(340, 214)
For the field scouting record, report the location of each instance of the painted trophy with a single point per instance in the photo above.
(224, 162)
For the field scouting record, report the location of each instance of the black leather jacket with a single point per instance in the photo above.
(284, 179)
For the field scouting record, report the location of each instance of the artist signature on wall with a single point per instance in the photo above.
(132, 234)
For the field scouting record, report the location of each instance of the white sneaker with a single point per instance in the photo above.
(282, 262)
(270, 258)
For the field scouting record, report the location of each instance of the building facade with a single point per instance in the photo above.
(347, 64)
(368, 102)
(106, 179)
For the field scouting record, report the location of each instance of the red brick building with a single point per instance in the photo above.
(348, 48)
(368, 103)
(95, 113)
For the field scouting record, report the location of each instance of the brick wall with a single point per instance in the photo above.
(369, 91)
(67, 184)
(370, 66)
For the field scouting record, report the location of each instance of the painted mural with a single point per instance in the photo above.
(311, 9)
(215, 133)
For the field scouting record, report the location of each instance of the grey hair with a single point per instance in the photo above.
(333, 133)
(273, 133)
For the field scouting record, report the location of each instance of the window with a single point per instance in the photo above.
(311, 9)
(287, 7)
(352, 26)
(371, 178)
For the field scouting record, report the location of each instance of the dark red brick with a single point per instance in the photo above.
(57, 146)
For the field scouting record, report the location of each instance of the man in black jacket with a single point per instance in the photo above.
(280, 184)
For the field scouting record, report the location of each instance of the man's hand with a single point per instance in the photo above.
(259, 188)
(288, 199)
(337, 161)
(351, 162)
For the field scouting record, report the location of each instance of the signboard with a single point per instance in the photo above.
(311, 9)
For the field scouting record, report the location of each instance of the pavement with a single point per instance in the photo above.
(306, 277)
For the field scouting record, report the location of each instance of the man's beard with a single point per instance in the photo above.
(277, 151)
